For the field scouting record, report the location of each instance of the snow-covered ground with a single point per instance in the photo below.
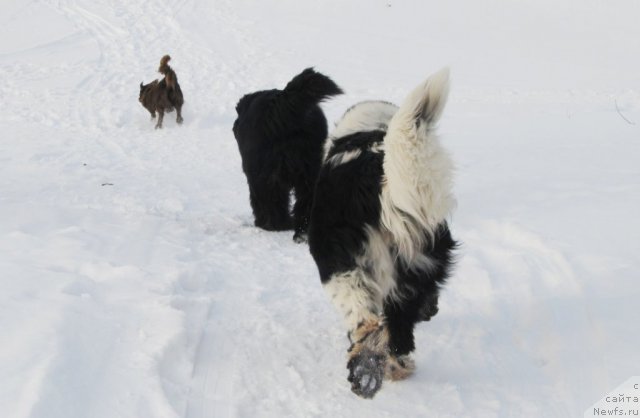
(132, 283)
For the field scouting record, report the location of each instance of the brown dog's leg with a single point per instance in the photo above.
(160, 118)
(179, 111)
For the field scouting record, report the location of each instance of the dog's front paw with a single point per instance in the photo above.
(366, 371)
(179, 120)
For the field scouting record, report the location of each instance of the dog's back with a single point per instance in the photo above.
(274, 115)
(153, 96)
(299, 102)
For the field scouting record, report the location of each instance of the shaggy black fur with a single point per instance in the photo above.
(346, 199)
(422, 288)
(280, 135)
(164, 95)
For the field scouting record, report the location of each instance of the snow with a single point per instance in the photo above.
(133, 284)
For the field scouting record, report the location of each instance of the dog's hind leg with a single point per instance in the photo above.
(401, 316)
(270, 204)
(416, 303)
(355, 295)
(302, 208)
(160, 118)
(418, 289)
(179, 119)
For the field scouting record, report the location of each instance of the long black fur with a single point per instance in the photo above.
(346, 200)
(280, 136)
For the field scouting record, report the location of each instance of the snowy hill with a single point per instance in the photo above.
(133, 284)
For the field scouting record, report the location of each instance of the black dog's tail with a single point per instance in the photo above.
(309, 88)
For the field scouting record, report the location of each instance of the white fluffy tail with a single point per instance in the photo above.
(417, 193)
(426, 102)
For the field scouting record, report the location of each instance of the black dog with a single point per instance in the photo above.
(378, 230)
(280, 135)
(164, 95)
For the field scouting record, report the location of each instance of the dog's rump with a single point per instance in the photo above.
(173, 94)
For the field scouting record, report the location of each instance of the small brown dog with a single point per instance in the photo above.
(164, 95)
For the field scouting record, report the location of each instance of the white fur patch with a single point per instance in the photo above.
(364, 116)
(355, 297)
(377, 148)
(343, 157)
(359, 294)
(417, 190)
(378, 262)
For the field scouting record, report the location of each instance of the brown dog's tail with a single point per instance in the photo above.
(164, 65)
(169, 74)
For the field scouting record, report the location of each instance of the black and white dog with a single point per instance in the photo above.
(378, 230)
(280, 135)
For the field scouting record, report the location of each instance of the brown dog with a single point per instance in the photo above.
(164, 95)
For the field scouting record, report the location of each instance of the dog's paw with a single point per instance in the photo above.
(366, 371)
(300, 237)
(179, 120)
